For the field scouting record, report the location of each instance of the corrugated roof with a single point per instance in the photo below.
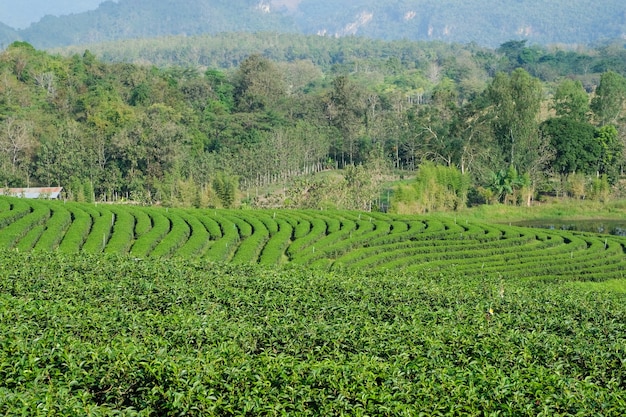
(37, 192)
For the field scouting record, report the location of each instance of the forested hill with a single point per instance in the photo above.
(487, 23)
(497, 121)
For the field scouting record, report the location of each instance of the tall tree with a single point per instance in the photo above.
(346, 109)
(571, 100)
(516, 101)
(258, 84)
(576, 148)
(608, 108)
(608, 103)
(16, 141)
(63, 156)
(611, 152)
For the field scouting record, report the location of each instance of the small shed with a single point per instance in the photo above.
(38, 192)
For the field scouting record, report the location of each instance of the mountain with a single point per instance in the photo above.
(486, 22)
(7, 35)
(21, 14)
(149, 18)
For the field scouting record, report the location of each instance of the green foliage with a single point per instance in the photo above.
(250, 248)
(571, 101)
(225, 187)
(516, 101)
(198, 238)
(100, 233)
(78, 231)
(18, 222)
(223, 249)
(576, 148)
(600, 188)
(608, 103)
(123, 234)
(326, 239)
(258, 84)
(274, 251)
(143, 222)
(119, 336)
(56, 228)
(611, 151)
(436, 188)
(177, 235)
(145, 243)
(577, 186)
(509, 186)
(177, 137)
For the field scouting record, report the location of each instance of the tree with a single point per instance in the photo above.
(509, 186)
(258, 84)
(474, 129)
(225, 187)
(222, 88)
(516, 101)
(512, 50)
(608, 103)
(298, 74)
(576, 148)
(611, 150)
(148, 148)
(433, 122)
(63, 156)
(571, 100)
(16, 141)
(346, 110)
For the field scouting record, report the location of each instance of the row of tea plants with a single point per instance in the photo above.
(108, 334)
(321, 239)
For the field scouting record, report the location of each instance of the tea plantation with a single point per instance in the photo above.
(122, 310)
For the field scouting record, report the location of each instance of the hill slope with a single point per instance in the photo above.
(23, 13)
(487, 23)
(7, 35)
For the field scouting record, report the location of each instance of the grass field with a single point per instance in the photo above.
(551, 209)
(133, 311)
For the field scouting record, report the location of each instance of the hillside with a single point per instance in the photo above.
(21, 14)
(368, 111)
(7, 35)
(490, 23)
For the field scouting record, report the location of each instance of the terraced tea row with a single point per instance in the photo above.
(322, 239)
(105, 335)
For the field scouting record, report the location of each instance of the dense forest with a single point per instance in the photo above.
(358, 54)
(323, 125)
(487, 23)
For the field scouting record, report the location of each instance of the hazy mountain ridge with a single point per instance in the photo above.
(7, 35)
(487, 23)
(30, 11)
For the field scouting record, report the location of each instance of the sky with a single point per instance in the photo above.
(19, 14)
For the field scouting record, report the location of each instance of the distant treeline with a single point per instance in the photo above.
(358, 54)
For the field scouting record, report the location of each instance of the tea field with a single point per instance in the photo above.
(134, 311)
(318, 239)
